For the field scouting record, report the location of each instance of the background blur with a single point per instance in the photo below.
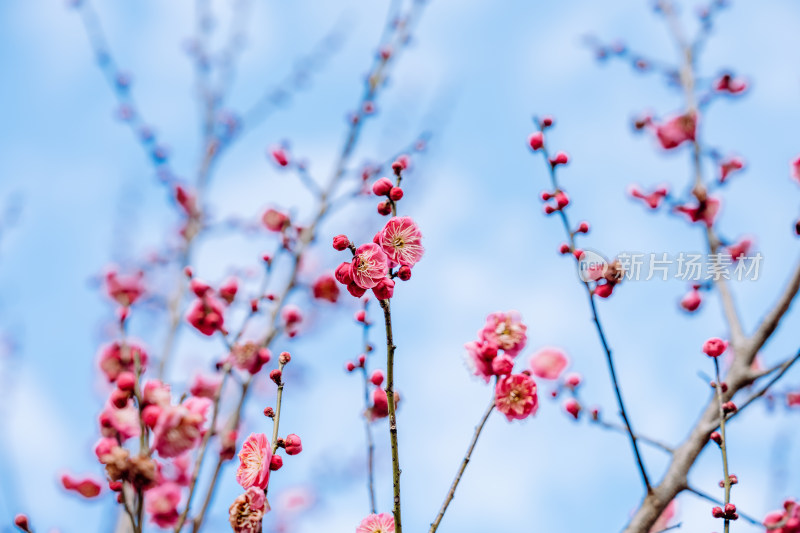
(474, 75)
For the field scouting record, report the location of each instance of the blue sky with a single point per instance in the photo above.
(474, 74)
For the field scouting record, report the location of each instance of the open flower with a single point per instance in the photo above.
(401, 241)
(377, 523)
(180, 427)
(515, 396)
(162, 504)
(247, 511)
(480, 355)
(548, 363)
(370, 265)
(506, 331)
(254, 462)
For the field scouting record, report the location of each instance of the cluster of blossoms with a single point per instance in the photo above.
(550, 364)
(500, 340)
(787, 520)
(379, 403)
(392, 253)
(206, 314)
(257, 458)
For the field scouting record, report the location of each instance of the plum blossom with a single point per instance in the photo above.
(88, 487)
(325, 288)
(705, 211)
(548, 363)
(120, 422)
(515, 396)
(254, 460)
(115, 358)
(480, 355)
(206, 314)
(370, 265)
(124, 289)
(691, 301)
(789, 517)
(401, 241)
(506, 331)
(377, 523)
(247, 511)
(676, 131)
(180, 427)
(653, 199)
(205, 386)
(250, 357)
(162, 504)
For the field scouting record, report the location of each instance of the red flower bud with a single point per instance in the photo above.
(269, 412)
(275, 375)
(536, 140)
(382, 187)
(716, 437)
(564, 249)
(384, 208)
(340, 242)
(276, 462)
(350, 366)
(126, 381)
(717, 512)
(293, 445)
(376, 378)
(714, 347)
(396, 193)
(150, 415)
(404, 273)
(21, 521)
(560, 159)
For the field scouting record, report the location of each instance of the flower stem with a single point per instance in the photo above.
(452, 492)
(723, 446)
(390, 348)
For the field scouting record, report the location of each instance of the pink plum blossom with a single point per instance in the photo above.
(377, 523)
(515, 396)
(506, 331)
(180, 427)
(254, 460)
(370, 265)
(162, 504)
(548, 363)
(401, 241)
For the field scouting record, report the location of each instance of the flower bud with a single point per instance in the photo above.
(21, 521)
(536, 140)
(560, 159)
(340, 242)
(126, 381)
(276, 462)
(404, 273)
(396, 193)
(269, 412)
(564, 249)
(730, 508)
(350, 366)
(502, 365)
(583, 227)
(717, 512)
(716, 437)
(150, 415)
(714, 347)
(361, 316)
(293, 445)
(275, 375)
(572, 407)
(384, 289)
(120, 398)
(284, 358)
(382, 187)
(362, 359)
(384, 208)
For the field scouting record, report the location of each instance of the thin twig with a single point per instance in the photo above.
(452, 492)
(390, 348)
(639, 437)
(715, 501)
(598, 326)
(723, 445)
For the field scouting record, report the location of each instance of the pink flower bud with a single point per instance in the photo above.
(340, 242)
(21, 521)
(560, 159)
(254, 305)
(404, 273)
(355, 290)
(275, 375)
(583, 227)
(276, 462)
(562, 200)
(284, 358)
(126, 381)
(228, 290)
(714, 347)
(362, 359)
(269, 412)
(564, 249)
(604, 291)
(280, 156)
(691, 301)
(150, 415)
(293, 444)
(730, 508)
(572, 380)
(361, 316)
(717, 512)
(716, 437)
(382, 187)
(502, 365)
(376, 378)
(572, 407)
(120, 398)
(536, 140)
(733, 479)
(545, 196)
(350, 366)
(343, 273)
(384, 289)
(384, 208)
(729, 407)
(549, 210)
(199, 287)
(396, 193)
(547, 122)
